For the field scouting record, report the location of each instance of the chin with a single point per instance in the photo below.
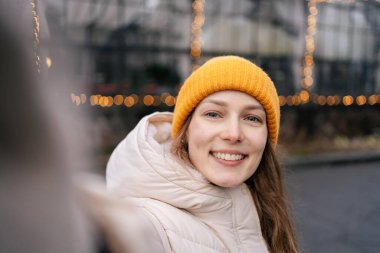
(227, 184)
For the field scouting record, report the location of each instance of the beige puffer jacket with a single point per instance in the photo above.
(188, 213)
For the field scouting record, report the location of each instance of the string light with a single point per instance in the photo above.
(36, 34)
(304, 97)
(308, 62)
(361, 100)
(348, 100)
(196, 32)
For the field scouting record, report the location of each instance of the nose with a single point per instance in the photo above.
(232, 131)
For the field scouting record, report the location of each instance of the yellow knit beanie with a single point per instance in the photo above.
(228, 73)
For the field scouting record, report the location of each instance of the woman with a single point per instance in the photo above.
(206, 177)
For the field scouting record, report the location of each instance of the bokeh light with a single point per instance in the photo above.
(118, 100)
(148, 100)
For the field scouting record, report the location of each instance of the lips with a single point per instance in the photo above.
(228, 156)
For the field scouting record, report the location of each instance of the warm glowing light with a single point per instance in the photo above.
(129, 101)
(77, 100)
(109, 101)
(304, 96)
(48, 62)
(198, 6)
(196, 30)
(196, 44)
(135, 98)
(361, 100)
(372, 100)
(337, 100)
(296, 100)
(148, 100)
(348, 100)
(289, 100)
(195, 52)
(311, 21)
(103, 101)
(321, 100)
(94, 100)
(36, 33)
(118, 100)
(170, 101)
(309, 62)
(311, 30)
(313, 10)
(307, 71)
(307, 81)
(164, 95)
(330, 100)
(310, 45)
(199, 20)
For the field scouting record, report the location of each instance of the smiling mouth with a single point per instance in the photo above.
(228, 157)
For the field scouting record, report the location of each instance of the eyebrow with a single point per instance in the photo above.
(224, 104)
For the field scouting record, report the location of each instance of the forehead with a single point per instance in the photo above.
(231, 96)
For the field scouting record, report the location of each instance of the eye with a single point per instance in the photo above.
(253, 118)
(213, 115)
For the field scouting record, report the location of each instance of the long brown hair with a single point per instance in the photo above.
(267, 190)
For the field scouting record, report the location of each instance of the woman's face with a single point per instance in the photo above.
(226, 137)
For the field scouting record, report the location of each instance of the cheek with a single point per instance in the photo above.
(194, 133)
(258, 141)
(197, 141)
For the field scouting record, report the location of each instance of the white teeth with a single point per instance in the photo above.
(228, 157)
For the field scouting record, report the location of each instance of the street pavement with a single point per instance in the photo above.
(336, 206)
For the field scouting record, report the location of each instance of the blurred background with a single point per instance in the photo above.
(131, 56)
(128, 58)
